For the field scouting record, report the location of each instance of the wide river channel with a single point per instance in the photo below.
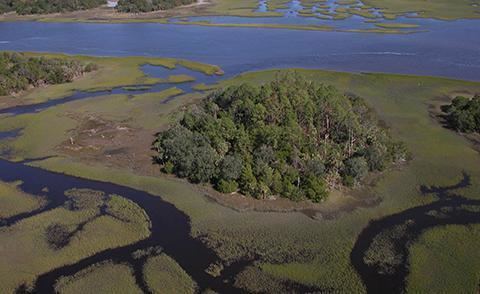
(449, 49)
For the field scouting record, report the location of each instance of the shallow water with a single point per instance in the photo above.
(154, 71)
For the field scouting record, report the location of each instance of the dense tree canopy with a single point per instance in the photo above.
(290, 137)
(18, 72)
(136, 6)
(463, 114)
(47, 6)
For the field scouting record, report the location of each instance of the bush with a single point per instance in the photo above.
(348, 181)
(227, 186)
(463, 114)
(57, 236)
(168, 167)
(315, 189)
(356, 168)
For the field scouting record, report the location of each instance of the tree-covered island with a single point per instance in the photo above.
(291, 137)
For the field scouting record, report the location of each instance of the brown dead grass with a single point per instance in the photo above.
(112, 143)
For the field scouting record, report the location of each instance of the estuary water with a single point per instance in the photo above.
(449, 49)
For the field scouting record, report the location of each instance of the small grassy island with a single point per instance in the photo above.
(19, 72)
(290, 137)
(463, 114)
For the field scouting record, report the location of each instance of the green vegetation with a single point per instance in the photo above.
(260, 25)
(18, 72)
(463, 114)
(439, 9)
(368, 9)
(51, 239)
(100, 278)
(13, 201)
(47, 6)
(291, 137)
(112, 72)
(136, 6)
(397, 25)
(313, 250)
(445, 260)
(164, 275)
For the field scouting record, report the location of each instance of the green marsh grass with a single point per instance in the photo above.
(293, 246)
(25, 252)
(100, 278)
(112, 72)
(164, 275)
(14, 201)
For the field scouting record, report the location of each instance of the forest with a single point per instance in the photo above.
(19, 72)
(136, 6)
(291, 137)
(47, 6)
(463, 114)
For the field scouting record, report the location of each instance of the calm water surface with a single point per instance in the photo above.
(450, 49)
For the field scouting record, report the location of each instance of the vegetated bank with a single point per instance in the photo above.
(463, 114)
(19, 72)
(291, 137)
(47, 6)
(136, 6)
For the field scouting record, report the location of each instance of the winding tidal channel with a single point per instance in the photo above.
(237, 50)
(170, 229)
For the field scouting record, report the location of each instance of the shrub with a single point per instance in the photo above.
(356, 168)
(57, 236)
(463, 114)
(227, 186)
(168, 167)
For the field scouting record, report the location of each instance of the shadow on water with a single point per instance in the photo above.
(450, 208)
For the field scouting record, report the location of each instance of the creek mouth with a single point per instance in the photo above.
(402, 229)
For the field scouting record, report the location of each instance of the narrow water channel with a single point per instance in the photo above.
(170, 229)
(154, 71)
(390, 276)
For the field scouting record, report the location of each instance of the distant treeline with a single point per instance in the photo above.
(463, 114)
(18, 72)
(47, 6)
(53, 6)
(291, 137)
(136, 6)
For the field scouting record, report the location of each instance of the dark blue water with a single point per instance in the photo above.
(450, 49)
(9, 134)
